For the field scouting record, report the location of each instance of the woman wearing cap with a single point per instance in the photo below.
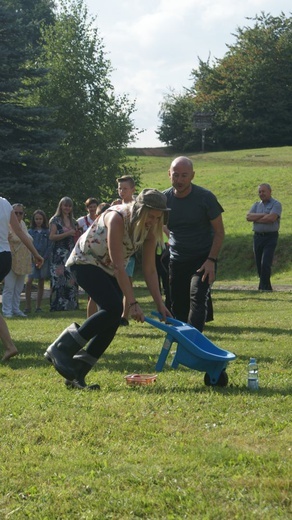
(99, 259)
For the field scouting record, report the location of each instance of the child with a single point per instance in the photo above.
(126, 190)
(39, 232)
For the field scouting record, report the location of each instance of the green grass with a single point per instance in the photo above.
(234, 178)
(176, 449)
(173, 450)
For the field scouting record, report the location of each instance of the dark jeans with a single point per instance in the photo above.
(104, 289)
(264, 245)
(189, 295)
(5, 264)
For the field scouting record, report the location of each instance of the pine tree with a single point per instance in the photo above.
(27, 133)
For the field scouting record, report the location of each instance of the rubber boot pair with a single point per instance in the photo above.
(61, 354)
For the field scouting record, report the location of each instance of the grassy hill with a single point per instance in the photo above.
(234, 178)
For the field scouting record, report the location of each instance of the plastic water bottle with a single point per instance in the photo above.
(253, 375)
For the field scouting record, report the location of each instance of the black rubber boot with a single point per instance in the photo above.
(61, 352)
(83, 363)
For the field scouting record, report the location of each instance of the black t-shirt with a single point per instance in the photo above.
(189, 223)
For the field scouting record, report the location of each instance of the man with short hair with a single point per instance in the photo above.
(196, 234)
(265, 215)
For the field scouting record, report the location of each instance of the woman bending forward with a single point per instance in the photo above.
(98, 260)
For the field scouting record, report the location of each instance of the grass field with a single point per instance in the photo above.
(176, 449)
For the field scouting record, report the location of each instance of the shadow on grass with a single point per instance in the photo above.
(118, 365)
(31, 352)
(248, 296)
(231, 390)
(231, 331)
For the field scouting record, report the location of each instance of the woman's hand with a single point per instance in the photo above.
(136, 312)
(163, 310)
(38, 259)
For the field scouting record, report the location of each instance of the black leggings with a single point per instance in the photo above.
(104, 289)
(5, 264)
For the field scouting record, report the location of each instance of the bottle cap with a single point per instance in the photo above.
(252, 360)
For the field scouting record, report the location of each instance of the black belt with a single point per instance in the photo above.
(271, 233)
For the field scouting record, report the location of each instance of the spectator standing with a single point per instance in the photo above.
(39, 231)
(63, 231)
(8, 220)
(91, 206)
(126, 190)
(196, 235)
(265, 215)
(21, 265)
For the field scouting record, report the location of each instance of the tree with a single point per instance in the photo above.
(177, 122)
(250, 88)
(33, 13)
(26, 135)
(97, 123)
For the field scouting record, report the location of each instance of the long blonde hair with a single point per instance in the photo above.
(138, 231)
(59, 213)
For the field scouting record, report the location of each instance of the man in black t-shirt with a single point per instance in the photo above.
(196, 234)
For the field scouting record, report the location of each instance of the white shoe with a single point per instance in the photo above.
(20, 314)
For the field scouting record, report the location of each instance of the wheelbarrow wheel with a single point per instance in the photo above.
(222, 379)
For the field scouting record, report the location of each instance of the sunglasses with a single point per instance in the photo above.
(18, 212)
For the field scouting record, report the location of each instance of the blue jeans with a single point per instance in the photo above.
(264, 245)
(188, 294)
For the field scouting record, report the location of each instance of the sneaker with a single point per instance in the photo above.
(124, 322)
(20, 314)
(38, 309)
(7, 315)
(27, 311)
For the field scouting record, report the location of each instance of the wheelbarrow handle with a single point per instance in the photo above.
(168, 319)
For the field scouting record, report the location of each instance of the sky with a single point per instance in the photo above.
(153, 45)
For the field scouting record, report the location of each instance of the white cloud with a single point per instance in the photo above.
(154, 44)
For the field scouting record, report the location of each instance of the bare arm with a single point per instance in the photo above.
(25, 239)
(115, 227)
(54, 236)
(209, 266)
(150, 273)
(166, 230)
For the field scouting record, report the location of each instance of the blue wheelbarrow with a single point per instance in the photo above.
(194, 350)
